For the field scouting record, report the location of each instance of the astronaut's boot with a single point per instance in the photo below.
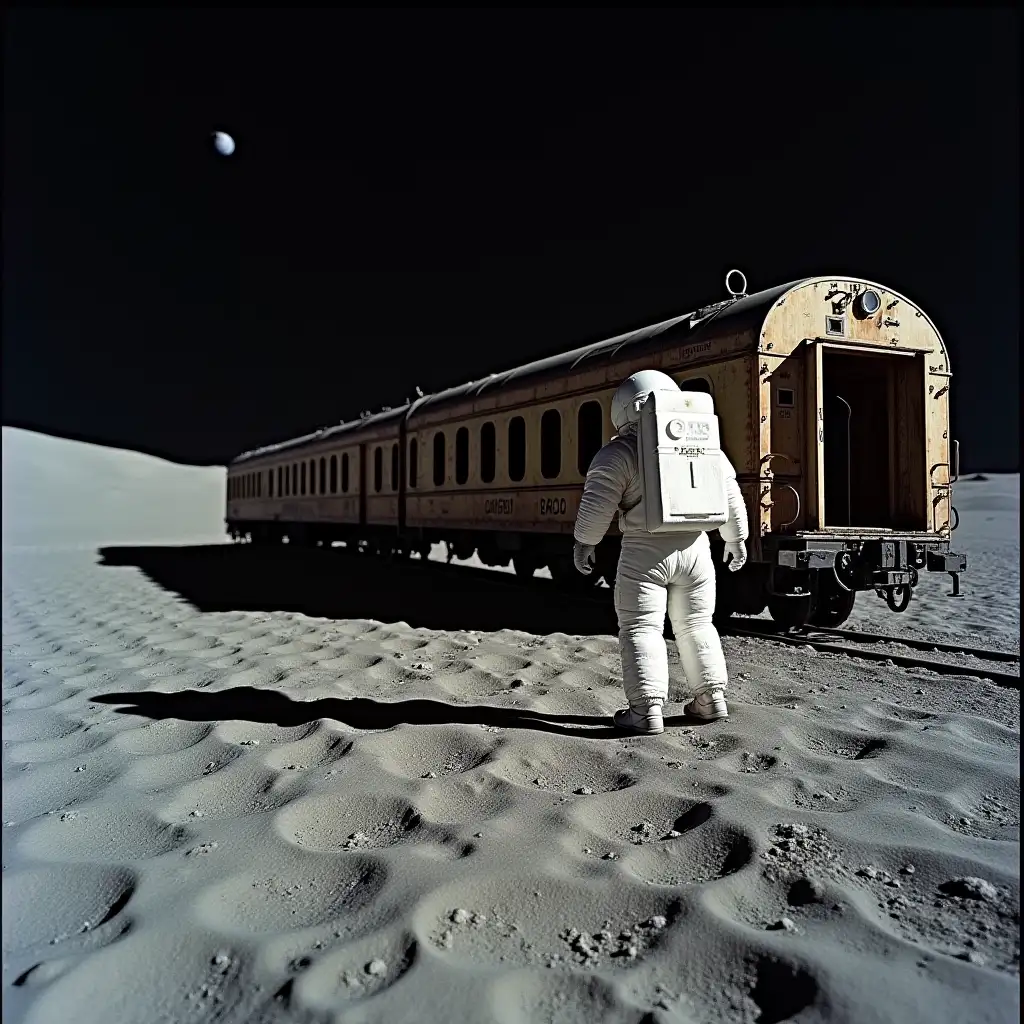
(709, 705)
(647, 719)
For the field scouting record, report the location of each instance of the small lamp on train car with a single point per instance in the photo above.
(868, 303)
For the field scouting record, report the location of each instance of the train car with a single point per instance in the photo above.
(833, 401)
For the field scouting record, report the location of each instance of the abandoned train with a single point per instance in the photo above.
(833, 401)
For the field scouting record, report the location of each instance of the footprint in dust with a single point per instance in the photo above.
(780, 990)
(342, 821)
(702, 851)
(871, 749)
(356, 972)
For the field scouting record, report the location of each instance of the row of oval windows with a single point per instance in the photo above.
(589, 439)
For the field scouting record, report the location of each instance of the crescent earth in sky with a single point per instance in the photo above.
(223, 143)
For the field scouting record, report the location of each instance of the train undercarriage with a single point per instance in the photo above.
(811, 580)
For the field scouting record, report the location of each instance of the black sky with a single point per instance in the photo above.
(424, 198)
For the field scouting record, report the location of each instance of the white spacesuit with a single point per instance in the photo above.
(657, 571)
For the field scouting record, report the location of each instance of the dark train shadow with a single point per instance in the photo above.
(248, 704)
(336, 584)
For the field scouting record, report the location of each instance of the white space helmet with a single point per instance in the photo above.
(633, 391)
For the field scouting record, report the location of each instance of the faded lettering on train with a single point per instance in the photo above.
(499, 506)
(552, 506)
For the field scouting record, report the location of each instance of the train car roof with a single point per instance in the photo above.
(322, 434)
(685, 328)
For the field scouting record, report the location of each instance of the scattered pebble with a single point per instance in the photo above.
(783, 924)
(376, 967)
(971, 957)
(970, 887)
(584, 791)
(460, 916)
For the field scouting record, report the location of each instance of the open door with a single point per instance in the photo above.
(814, 494)
(866, 458)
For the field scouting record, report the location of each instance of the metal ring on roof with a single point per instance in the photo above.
(742, 293)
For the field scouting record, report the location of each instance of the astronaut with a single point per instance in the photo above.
(657, 572)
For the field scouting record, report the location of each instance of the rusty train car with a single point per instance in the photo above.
(833, 396)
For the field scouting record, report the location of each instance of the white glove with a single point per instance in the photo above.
(738, 550)
(583, 557)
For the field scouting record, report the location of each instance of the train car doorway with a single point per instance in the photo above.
(873, 476)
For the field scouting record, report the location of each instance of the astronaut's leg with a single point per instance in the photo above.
(691, 602)
(640, 603)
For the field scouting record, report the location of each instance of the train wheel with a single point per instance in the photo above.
(722, 614)
(833, 607)
(565, 573)
(524, 566)
(790, 612)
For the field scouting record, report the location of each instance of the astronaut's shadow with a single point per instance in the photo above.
(270, 707)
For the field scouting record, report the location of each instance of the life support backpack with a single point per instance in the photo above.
(682, 469)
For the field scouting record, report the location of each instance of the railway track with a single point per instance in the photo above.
(824, 640)
(863, 637)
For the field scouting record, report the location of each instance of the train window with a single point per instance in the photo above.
(516, 448)
(589, 434)
(394, 466)
(835, 325)
(439, 458)
(550, 444)
(786, 397)
(462, 455)
(245, 493)
(344, 473)
(488, 452)
(413, 453)
(378, 468)
(279, 481)
(334, 474)
(295, 479)
(323, 475)
(259, 484)
(312, 476)
(302, 478)
(701, 384)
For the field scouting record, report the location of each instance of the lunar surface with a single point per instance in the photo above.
(301, 786)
